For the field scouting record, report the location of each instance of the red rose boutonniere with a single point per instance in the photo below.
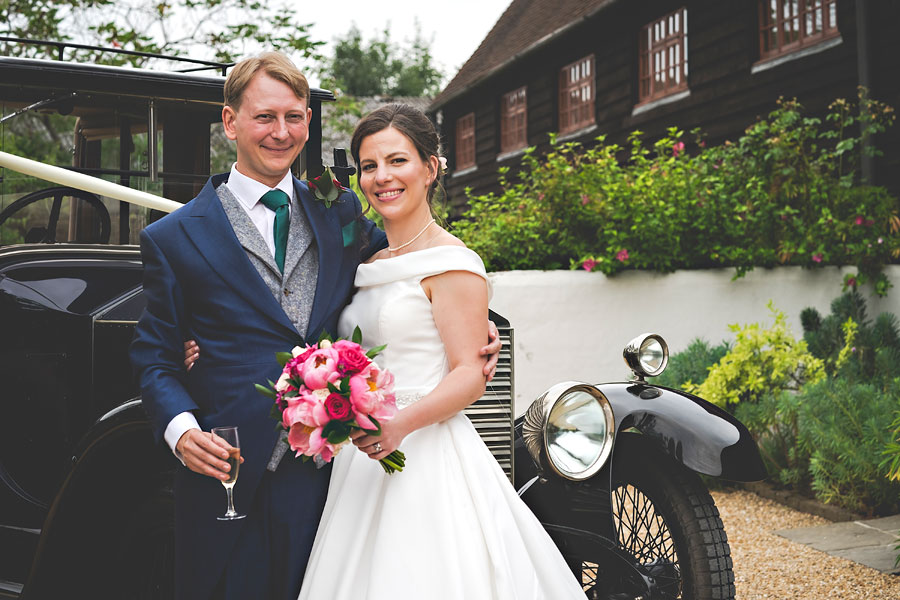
(326, 187)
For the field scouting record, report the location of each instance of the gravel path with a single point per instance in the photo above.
(767, 566)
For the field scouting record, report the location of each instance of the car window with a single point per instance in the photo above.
(79, 287)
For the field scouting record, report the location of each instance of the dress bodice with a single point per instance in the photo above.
(390, 307)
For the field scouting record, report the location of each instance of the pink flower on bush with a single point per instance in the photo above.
(541, 197)
(585, 199)
(851, 282)
(677, 148)
(622, 255)
(589, 264)
(817, 257)
(859, 220)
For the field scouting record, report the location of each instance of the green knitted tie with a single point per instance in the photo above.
(279, 201)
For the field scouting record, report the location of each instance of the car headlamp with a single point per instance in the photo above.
(647, 355)
(570, 430)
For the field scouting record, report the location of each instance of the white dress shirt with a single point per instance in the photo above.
(248, 192)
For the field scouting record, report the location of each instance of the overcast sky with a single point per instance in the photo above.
(458, 26)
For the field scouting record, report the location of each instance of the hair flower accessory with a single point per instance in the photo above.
(443, 160)
(326, 187)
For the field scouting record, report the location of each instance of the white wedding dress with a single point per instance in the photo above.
(450, 526)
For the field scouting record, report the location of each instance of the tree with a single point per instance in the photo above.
(382, 68)
(220, 30)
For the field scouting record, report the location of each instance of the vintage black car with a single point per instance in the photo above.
(85, 493)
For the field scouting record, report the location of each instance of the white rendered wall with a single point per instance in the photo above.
(574, 324)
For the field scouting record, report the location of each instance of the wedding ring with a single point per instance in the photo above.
(377, 447)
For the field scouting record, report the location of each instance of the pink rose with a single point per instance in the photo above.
(351, 358)
(320, 369)
(585, 199)
(622, 255)
(677, 148)
(337, 407)
(817, 257)
(589, 264)
(859, 220)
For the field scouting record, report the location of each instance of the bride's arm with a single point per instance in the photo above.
(459, 303)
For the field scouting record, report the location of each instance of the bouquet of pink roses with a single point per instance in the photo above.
(328, 390)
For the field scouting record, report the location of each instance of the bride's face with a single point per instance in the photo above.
(393, 177)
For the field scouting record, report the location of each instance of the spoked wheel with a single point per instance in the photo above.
(665, 518)
(47, 235)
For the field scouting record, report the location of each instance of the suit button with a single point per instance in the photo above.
(287, 292)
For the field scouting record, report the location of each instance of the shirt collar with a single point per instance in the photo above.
(249, 191)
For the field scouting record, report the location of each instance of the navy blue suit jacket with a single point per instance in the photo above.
(200, 284)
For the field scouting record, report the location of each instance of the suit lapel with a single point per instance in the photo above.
(326, 228)
(247, 233)
(210, 231)
(299, 238)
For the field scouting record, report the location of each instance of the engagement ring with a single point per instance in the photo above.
(377, 447)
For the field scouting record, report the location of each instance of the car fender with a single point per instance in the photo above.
(698, 434)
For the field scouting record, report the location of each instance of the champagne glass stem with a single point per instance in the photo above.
(230, 512)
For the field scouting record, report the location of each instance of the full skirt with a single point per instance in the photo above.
(450, 526)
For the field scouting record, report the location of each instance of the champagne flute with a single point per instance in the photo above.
(230, 435)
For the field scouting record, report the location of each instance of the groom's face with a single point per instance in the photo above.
(270, 128)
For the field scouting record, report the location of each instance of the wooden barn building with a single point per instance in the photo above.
(582, 68)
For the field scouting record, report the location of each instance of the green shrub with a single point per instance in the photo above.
(783, 193)
(691, 364)
(872, 352)
(761, 362)
(773, 422)
(845, 427)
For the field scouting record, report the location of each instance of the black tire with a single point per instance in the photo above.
(665, 517)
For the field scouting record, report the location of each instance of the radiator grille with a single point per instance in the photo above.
(492, 414)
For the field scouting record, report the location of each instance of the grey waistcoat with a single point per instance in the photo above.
(295, 290)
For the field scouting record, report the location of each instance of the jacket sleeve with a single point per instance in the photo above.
(157, 351)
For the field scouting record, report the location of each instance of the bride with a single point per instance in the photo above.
(450, 525)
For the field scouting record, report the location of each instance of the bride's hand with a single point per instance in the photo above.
(492, 351)
(191, 354)
(392, 435)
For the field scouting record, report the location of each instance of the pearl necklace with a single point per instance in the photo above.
(402, 246)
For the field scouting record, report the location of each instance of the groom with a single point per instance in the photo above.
(251, 266)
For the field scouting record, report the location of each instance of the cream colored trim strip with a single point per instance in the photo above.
(85, 182)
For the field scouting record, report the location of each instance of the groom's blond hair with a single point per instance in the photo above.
(274, 64)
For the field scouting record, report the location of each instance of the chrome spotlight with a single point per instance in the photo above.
(570, 429)
(647, 355)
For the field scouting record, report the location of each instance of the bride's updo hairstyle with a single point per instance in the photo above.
(409, 121)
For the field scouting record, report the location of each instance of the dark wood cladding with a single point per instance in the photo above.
(725, 95)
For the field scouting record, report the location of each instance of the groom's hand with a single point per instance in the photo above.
(204, 453)
(491, 351)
